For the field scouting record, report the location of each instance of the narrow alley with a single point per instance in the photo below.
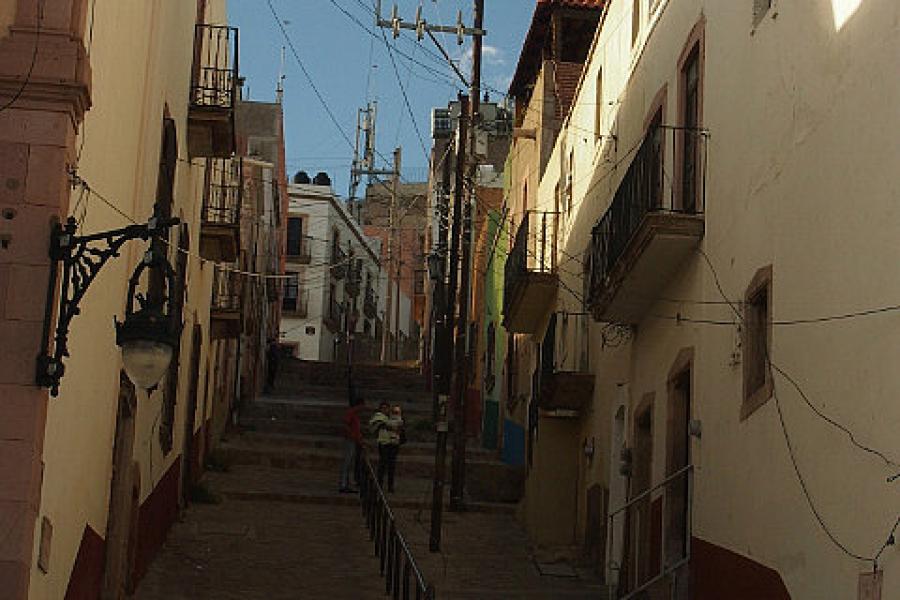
(278, 528)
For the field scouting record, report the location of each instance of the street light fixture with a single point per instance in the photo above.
(150, 331)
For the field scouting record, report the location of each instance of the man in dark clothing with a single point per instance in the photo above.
(273, 355)
(353, 440)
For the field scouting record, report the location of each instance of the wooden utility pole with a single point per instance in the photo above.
(386, 326)
(458, 477)
(443, 346)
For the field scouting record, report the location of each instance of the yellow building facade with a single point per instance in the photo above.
(122, 110)
(710, 151)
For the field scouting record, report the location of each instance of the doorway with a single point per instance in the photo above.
(678, 458)
(641, 525)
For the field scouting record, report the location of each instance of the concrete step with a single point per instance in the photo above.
(415, 431)
(317, 408)
(372, 394)
(328, 442)
(278, 485)
(333, 374)
(486, 479)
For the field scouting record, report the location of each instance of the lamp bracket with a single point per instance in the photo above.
(82, 258)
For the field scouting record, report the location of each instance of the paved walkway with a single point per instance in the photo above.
(265, 551)
(281, 530)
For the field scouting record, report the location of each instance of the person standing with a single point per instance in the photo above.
(384, 426)
(353, 441)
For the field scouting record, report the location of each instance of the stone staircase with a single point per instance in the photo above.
(289, 443)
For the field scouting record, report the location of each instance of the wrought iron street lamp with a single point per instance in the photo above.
(150, 331)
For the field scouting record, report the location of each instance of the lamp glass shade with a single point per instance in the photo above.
(146, 362)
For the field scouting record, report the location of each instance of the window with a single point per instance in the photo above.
(598, 107)
(635, 21)
(760, 8)
(295, 236)
(291, 293)
(690, 81)
(757, 341)
(569, 179)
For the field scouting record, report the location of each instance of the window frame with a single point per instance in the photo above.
(694, 47)
(754, 396)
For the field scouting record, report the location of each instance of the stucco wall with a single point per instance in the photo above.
(800, 153)
(119, 145)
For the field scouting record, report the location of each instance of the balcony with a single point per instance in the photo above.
(333, 314)
(653, 224)
(565, 391)
(370, 304)
(225, 307)
(354, 278)
(338, 262)
(220, 225)
(530, 278)
(213, 93)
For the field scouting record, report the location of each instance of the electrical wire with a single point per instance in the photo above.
(34, 54)
(789, 443)
(309, 79)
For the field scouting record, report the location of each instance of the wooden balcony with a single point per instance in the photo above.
(653, 225)
(565, 390)
(225, 307)
(213, 93)
(220, 225)
(530, 278)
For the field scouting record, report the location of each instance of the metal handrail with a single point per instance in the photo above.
(667, 569)
(396, 564)
(649, 491)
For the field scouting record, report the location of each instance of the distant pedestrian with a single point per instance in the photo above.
(273, 356)
(353, 441)
(387, 434)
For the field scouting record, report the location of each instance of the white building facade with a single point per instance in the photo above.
(339, 287)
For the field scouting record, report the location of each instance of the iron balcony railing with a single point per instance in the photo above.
(354, 278)
(370, 303)
(333, 312)
(629, 552)
(338, 262)
(649, 187)
(224, 192)
(403, 579)
(533, 251)
(215, 73)
(226, 291)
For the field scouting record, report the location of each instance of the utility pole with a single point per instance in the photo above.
(443, 346)
(458, 478)
(386, 326)
(397, 308)
(446, 297)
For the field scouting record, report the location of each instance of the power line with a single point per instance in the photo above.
(30, 72)
(308, 77)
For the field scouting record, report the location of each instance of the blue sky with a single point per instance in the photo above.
(338, 55)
